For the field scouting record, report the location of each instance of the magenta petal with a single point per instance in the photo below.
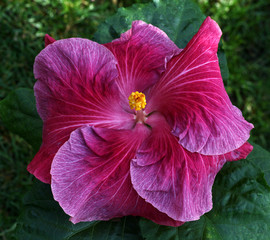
(239, 153)
(48, 40)
(76, 77)
(192, 96)
(174, 180)
(91, 178)
(75, 87)
(142, 53)
(90, 174)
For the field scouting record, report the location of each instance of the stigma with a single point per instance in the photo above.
(137, 100)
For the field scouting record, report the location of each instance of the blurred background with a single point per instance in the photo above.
(23, 24)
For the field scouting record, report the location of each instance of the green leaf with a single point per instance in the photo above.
(180, 19)
(241, 200)
(43, 219)
(19, 115)
(261, 158)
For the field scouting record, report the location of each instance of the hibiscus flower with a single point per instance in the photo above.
(136, 126)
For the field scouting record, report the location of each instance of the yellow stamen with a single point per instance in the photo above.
(137, 100)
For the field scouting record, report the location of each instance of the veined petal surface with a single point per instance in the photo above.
(142, 53)
(192, 96)
(174, 180)
(75, 86)
(91, 178)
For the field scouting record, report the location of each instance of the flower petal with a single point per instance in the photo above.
(91, 179)
(172, 179)
(192, 96)
(48, 40)
(142, 53)
(76, 86)
(239, 153)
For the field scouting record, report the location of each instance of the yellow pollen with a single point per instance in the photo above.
(137, 100)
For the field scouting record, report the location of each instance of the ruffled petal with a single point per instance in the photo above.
(91, 179)
(142, 53)
(239, 153)
(192, 96)
(172, 179)
(76, 86)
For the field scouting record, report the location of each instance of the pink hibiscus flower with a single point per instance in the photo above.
(136, 126)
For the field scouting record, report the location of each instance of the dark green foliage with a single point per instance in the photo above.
(18, 113)
(14, 180)
(180, 25)
(24, 24)
(43, 219)
(261, 159)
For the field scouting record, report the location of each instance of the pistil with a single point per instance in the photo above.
(137, 101)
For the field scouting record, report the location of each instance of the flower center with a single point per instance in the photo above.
(137, 100)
